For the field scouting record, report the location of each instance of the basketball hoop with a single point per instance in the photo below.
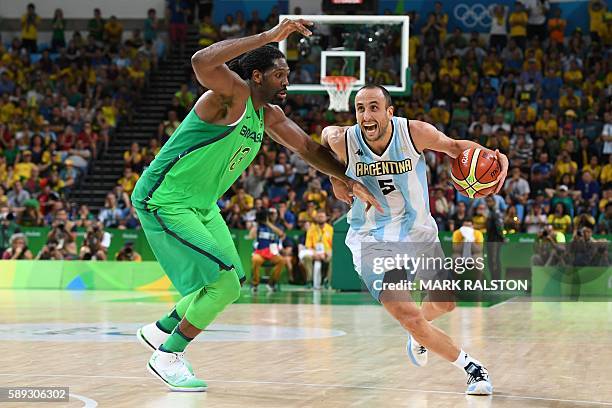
(339, 90)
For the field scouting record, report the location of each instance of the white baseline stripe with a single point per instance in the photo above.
(114, 377)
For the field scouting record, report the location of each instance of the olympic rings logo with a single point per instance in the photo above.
(476, 14)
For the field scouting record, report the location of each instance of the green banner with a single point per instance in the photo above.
(83, 275)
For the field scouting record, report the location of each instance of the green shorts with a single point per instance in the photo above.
(191, 245)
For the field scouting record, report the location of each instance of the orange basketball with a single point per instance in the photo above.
(474, 173)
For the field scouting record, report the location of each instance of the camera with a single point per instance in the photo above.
(7, 217)
(61, 225)
(261, 216)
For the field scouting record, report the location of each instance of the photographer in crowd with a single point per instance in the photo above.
(63, 234)
(127, 253)
(8, 227)
(95, 243)
(51, 252)
(587, 251)
(19, 248)
(267, 234)
(549, 248)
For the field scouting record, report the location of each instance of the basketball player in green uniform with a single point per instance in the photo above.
(176, 196)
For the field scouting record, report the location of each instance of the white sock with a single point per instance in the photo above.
(464, 359)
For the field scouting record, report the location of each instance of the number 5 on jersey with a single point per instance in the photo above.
(386, 186)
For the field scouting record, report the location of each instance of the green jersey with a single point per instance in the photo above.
(200, 162)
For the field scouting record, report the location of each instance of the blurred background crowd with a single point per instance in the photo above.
(531, 89)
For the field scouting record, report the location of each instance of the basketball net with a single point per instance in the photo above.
(339, 90)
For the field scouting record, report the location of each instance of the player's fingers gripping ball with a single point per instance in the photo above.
(474, 173)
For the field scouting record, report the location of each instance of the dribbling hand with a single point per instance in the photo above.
(503, 162)
(283, 29)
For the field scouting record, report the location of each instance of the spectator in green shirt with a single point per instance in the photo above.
(96, 26)
(58, 40)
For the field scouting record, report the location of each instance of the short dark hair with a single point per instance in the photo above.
(259, 59)
(387, 95)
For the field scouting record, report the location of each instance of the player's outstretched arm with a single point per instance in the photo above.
(426, 136)
(286, 132)
(209, 63)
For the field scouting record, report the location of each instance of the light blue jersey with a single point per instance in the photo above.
(398, 179)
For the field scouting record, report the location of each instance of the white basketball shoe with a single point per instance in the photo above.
(416, 352)
(152, 337)
(173, 370)
(478, 382)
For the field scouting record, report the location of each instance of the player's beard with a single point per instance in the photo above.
(276, 99)
(380, 135)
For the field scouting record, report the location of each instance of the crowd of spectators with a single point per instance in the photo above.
(60, 104)
(535, 92)
(531, 89)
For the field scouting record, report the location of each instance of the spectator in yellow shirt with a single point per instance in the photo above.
(450, 67)
(565, 165)
(606, 172)
(308, 215)
(424, 87)
(318, 248)
(560, 221)
(569, 99)
(518, 24)
(133, 158)
(547, 125)
(7, 108)
(491, 65)
(592, 86)
(467, 241)
(573, 76)
(597, 24)
(109, 111)
(29, 29)
(113, 31)
(525, 107)
(137, 73)
(315, 193)
(441, 19)
(23, 168)
(439, 115)
(413, 47)
(208, 32)
(244, 201)
(593, 167)
(129, 179)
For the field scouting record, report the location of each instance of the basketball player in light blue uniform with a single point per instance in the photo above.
(385, 153)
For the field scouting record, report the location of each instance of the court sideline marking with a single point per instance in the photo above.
(89, 403)
(114, 377)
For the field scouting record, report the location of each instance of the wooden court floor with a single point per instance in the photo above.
(304, 354)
